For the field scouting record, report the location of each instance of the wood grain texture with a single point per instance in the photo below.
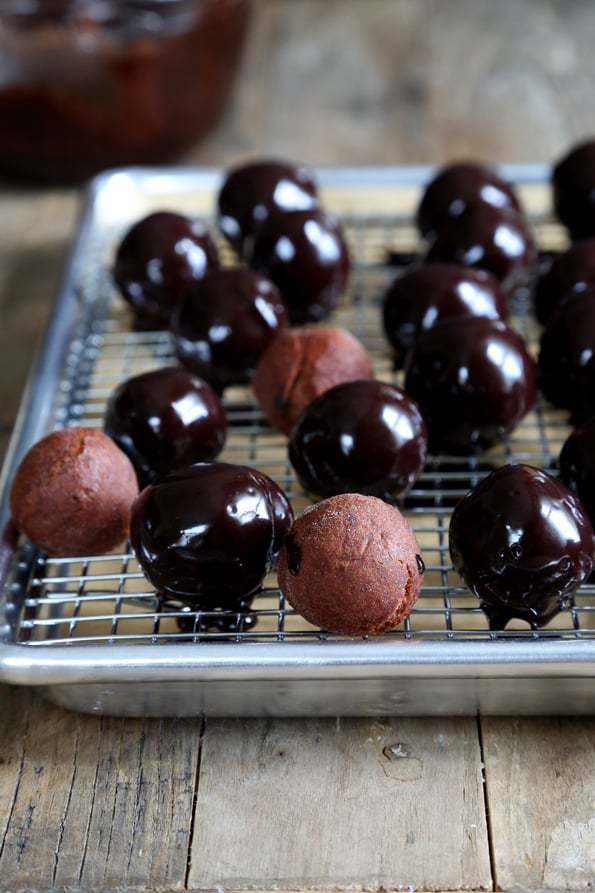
(324, 804)
(35, 231)
(412, 81)
(93, 803)
(540, 782)
(109, 804)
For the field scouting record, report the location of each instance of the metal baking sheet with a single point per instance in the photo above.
(90, 633)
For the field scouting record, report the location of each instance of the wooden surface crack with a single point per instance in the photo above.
(70, 788)
(15, 791)
(303, 805)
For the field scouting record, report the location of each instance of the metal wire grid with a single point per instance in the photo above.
(106, 599)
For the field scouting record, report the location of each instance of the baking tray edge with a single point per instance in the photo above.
(352, 678)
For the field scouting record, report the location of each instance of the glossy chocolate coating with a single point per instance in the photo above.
(577, 464)
(522, 543)
(306, 255)
(165, 419)
(253, 191)
(241, 620)
(303, 362)
(490, 238)
(473, 380)
(156, 260)
(207, 534)
(425, 294)
(459, 186)
(360, 437)
(566, 358)
(95, 84)
(568, 273)
(573, 190)
(224, 321)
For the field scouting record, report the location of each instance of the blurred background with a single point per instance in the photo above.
(411, 81)
(317, 81)
(321, 81)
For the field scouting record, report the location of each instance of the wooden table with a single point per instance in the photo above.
(388, 803)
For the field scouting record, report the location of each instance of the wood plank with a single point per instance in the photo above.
(13, 730)
(410, 82)
(41, 792)
(340, 82)
(95, 803)
(351, 804)
(540, 780)
(242, 131)
(35, 230)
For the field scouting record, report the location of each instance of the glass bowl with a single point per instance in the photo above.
(92, 84)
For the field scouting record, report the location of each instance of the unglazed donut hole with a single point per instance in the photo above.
(303, 362)
(72, 493)
(351, 565)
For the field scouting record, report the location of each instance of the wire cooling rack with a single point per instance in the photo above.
(79, 617)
